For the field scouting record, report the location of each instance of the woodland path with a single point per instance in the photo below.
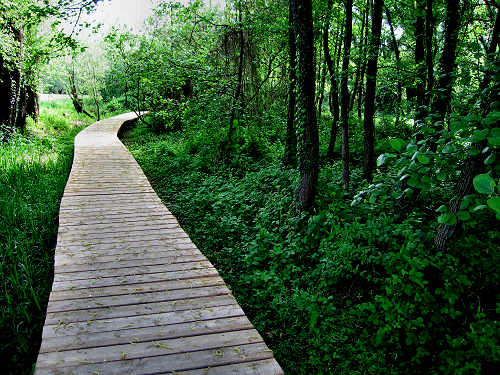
(132, 294)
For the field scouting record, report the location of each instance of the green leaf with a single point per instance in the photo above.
(381, 160)
(492, 118)
(479, 135)
(442, 208)
(494, 204)
(463, 215)
(447, 219)
(490, 159)
(464, 204)
(478, 208)
(456, 125)
(483, 184)
(494, 137)
(398, 144)
(423, 158)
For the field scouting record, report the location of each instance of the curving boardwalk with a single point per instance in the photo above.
(132, 294)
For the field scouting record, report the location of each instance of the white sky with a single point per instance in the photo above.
(129, 13)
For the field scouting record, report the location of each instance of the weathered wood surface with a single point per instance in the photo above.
(132, 294)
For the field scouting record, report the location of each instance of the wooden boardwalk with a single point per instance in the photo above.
(132, 294)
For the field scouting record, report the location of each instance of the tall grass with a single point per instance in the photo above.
(33, 172)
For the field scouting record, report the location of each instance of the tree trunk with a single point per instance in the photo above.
(240, 79)
(420, 111)
(334, 94)
(442, 98)
(371, 81)
(308, 142)
(321, 95)
(398, 67)
(344, 94)
(429, 36)
(5, 98)
(362, 56)
(33, 104)
(290, 158)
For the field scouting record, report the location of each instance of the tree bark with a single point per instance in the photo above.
(321, 95)
(5, 98)
(371, 81)
(334, 94)
(344, 94)
(308, 142)
(362, 56)
(240, 78)
(420, 111)
(398, 67)
(290, 158)
(429, 61)
(442, 97)
(32, 104)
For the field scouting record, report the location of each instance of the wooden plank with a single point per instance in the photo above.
(173, 363)
(173, 230)
(68, 267)
(85, 257)
(120, 225)
(141, 321)
(132, 299)
(217, 341)
(265, 367)
(84, 315)
(115, 219)
(224, 323)
(128, 271)
(139, 288)
(133, 279)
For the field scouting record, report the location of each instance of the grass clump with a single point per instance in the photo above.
(33, 171)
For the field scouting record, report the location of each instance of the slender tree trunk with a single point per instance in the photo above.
(308, 142)
(290, 158)
(33, 105)
(344, 94)
(240, 79)
(420, 111)
(398, 67)
(371, 81)
(362, 55)
(442, 98)
(429, 37)
(321, 95)
(334, 94)
(5, 89)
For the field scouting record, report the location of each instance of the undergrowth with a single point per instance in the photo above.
(352, 289)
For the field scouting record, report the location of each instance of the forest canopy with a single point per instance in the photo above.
(337, 160)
